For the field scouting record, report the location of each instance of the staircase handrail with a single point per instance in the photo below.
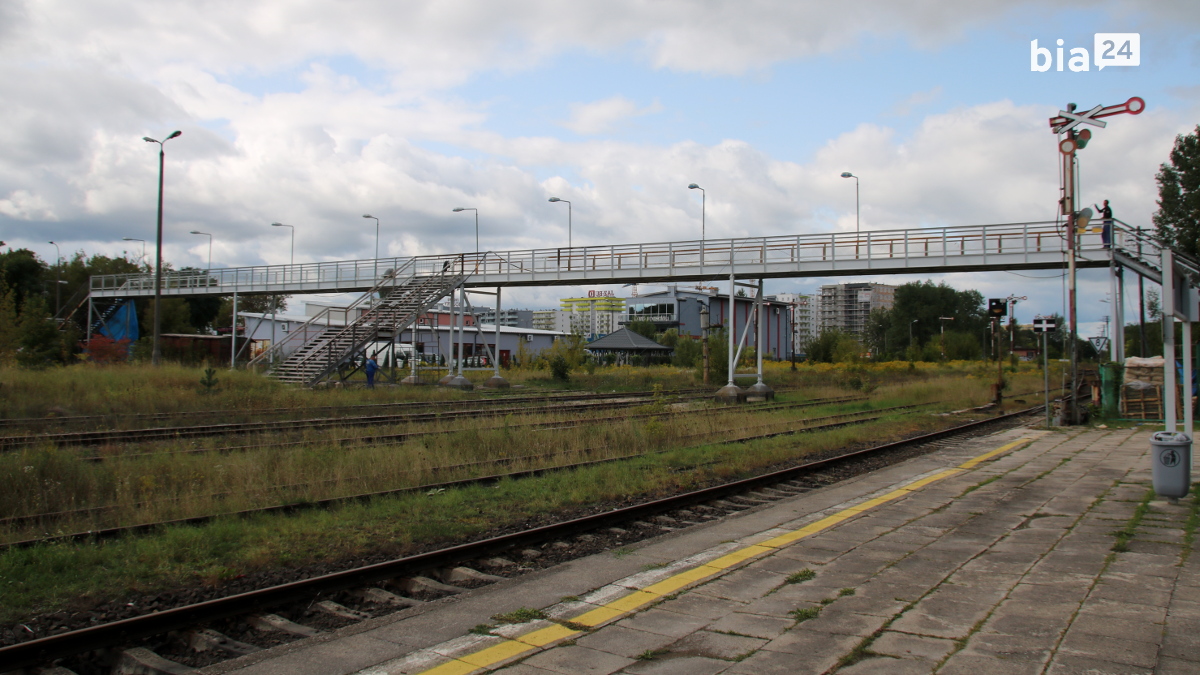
(302, 331)
(358, 339)
(1150, 249)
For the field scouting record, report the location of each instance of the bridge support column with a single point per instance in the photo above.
(731, 393)
(495, 381)
(459, 381)
(233, 334)
(1116, 347)
(759, 391)
(450, 352)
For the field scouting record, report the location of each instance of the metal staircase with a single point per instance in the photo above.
(1141, 252)
(334, 338)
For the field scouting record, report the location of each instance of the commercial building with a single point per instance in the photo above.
(846, 307)
(436, 339)
(513, 318)
(598, 314)
(805, 327)
(680, 308)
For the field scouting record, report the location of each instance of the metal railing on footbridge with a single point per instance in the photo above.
(962, 248)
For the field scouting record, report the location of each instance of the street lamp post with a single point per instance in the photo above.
(367, 215)
(943, 320)
(467, 208)
(568, 203)
(143, 258)
(847, 174)
(57, 279)
(910, 325)
(292, 260)
(703, 198)
(156, 354)
(209, 268)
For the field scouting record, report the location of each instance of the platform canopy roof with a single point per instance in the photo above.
(625, 340)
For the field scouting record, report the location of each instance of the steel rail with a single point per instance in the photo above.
(410, 435)
(230, 428)
(490, 398)
(96, 637)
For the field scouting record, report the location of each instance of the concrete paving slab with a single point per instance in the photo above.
(905, 646)
(783, 663)
(1070, 664)
(624, 641)
(576, 660)
(687, 665)
(1116, 650)
(884, 665)
(703, 606)
(752, 625)
(666, 623)
(716, 645)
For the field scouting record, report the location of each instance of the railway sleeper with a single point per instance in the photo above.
(378, 596)
(142, 661)
(424, 586)
(207, 639)
(273, 623)
(458, 575)
(341, 611)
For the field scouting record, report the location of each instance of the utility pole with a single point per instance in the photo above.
(704, 338)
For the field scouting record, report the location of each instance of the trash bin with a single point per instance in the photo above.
(1172, 463)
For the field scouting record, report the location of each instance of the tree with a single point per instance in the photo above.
(24, 273)
(8, 325)
(642, 327)
(927, 303)
(258, 304)
(834, 346)
(1177, 221)
(39, 339)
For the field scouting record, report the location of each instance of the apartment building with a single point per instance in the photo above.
(847, 306)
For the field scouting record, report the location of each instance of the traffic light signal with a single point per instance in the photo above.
(997, 307)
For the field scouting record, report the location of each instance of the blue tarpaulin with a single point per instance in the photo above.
(123, 324)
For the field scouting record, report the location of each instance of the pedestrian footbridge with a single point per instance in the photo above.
(973, 248)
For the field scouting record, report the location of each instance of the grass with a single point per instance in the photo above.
(804, 614)
(522, 615)
(1125, 534)
(161, 485)
(800, 577)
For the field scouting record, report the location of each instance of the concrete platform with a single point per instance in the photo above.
(995, 556)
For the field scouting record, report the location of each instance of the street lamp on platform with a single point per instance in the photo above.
(460, 209)
(556, 199)
(209, 246)
(156, 354)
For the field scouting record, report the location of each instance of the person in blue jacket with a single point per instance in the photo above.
(371, 368)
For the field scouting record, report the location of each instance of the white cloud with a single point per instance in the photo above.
(601, 116)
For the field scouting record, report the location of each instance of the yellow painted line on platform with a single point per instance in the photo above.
(970, 464)
(493, 656)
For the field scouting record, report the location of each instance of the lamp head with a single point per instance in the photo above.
(555, 199)
(148, 139)
(198, 232)
(847, 174)
(276, 224)
(693, 186)
(174, 134)
(129, 239)
(367, 215)
(459, 208)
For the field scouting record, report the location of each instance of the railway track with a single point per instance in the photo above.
(48, 519)
(115, 419)
(108, 436)
(412, 435)
(285, 611)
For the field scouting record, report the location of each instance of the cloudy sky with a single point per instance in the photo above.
(313, 113)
